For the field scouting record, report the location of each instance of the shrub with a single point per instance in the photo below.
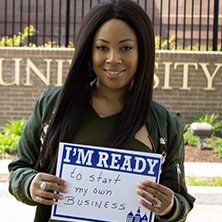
(213, 141)
(211, 119)
(14, 127)
(190, 139)
(8, 143)
(10, 135)
(163, 44)
(218, 145)
(17, 41)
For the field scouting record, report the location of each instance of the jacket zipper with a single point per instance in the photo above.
(178, 175)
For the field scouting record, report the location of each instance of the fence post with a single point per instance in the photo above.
(215, 30)
(67, 21)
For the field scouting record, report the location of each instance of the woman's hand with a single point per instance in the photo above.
(52, 183)
(156, 194)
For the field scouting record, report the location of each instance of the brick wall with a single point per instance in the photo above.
(195, 83)
(17, 100)
(187, 83)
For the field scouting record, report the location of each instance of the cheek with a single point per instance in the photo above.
(97, 59)
(134, 62)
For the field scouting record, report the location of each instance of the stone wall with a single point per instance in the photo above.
(186, 83)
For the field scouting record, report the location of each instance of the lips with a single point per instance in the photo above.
(114, 73)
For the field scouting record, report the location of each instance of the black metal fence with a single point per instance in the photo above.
(178, 24)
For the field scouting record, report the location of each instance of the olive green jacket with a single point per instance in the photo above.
(161, 125)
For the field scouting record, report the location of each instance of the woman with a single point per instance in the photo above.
(105, 101)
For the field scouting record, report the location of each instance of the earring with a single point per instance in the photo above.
(90, 65)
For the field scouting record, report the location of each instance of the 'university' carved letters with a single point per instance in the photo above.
(14, 78)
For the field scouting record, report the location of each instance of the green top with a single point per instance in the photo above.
(160, 124)
(96, 131)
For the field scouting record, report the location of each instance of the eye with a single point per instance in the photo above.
(102, 48)
(126, 48)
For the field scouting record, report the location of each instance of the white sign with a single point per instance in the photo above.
(103, 183)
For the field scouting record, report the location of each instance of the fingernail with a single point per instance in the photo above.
(61, 197)
(66, 190)
(66, 184)
(138, 191)
(54, 203)
(139, 185)
(141, 201)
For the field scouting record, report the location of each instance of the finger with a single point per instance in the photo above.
(55, 187)
(157, 190)
(151, 199)
(51, 195)
(53, 179)
(44, 201)
(155, 186)
(150, 193)
(150, 207)
(161, 210)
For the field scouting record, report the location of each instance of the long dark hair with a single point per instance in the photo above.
(75, 93)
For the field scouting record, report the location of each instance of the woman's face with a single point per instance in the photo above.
(115, 54)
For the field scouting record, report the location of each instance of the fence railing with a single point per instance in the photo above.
(178, 24)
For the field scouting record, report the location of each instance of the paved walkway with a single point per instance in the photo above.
(203, 169)
(208, 205)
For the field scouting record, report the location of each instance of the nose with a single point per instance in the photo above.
(114, 57)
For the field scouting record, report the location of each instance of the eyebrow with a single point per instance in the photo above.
(124, 40)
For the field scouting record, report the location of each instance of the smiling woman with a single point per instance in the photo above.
(115, 60)
(107, 104)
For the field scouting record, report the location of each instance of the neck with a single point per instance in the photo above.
(107, 101)
(114, 96)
